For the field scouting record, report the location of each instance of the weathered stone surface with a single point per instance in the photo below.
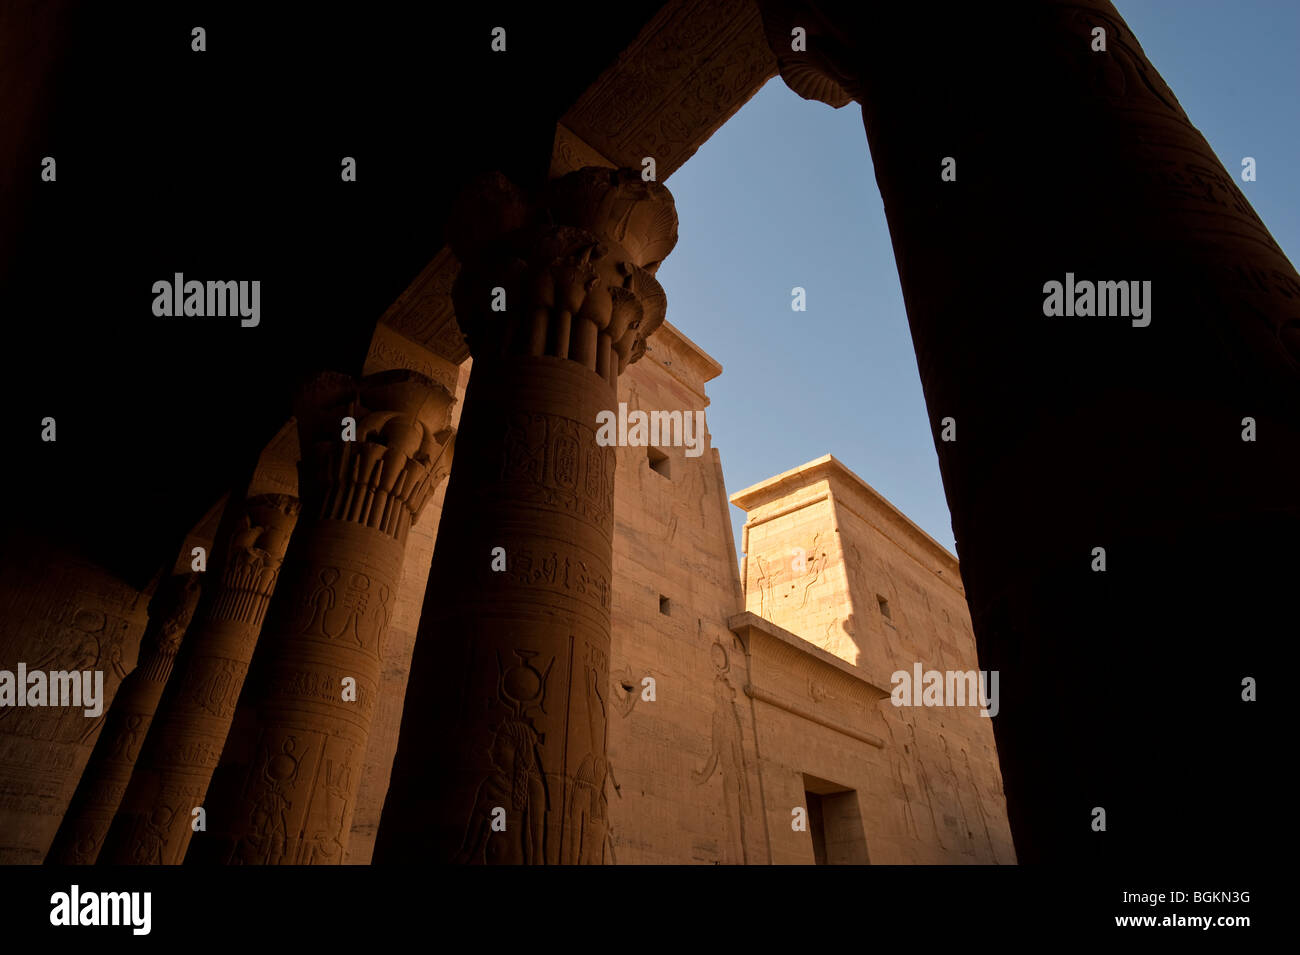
(829, 559)
(171, 775)
(524, 727)
(104, 782)
(285, 789)
(57, 612)
(684, 783)
(390, 350)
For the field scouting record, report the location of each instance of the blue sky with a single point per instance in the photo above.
(784, 195)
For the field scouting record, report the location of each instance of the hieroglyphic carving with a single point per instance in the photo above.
(912, 749)
(517, 783)
(362, 615)
(183, 745)
(979, 806)
(390, 349)
(727, 758)
(517, 780)
(816, 566)
(577, 262)
(540, 463)
(424, 312)
(901, 762)
(285, 789)
(104, 781)
(562, 570)
(297, 800)
(765, 581)
(586, 812)
(965, 837)
(56, 613)
(691, 67)
(818, 691)
(213, 687)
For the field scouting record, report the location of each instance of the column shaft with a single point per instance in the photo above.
(153, 825)
(1119, 429)
(502, 753)
(104, 782)
(285, 790)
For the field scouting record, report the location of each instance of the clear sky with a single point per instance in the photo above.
(784, 195)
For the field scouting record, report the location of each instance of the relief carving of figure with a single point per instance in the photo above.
(979, 806)
(906, 779)
(321, 601)
(965, 835)
(587, 814)
(151, 836)
(728, 758)
(267, 839)
(517, 785)
(915, 751)
(327, 842)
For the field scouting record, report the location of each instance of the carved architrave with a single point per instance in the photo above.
(687, 72)
(424, 312)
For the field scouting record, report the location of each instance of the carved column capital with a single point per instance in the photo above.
(162, 639)
(252, 556)
(823, 69)
(567, 273)
(379, 471)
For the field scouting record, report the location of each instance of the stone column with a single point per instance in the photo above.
(1025, 144)
(505, 716)
(58, 613)
(373, 452)
(102, 785)
(171, 776)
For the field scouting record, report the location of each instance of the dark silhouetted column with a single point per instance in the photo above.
(1069, 160)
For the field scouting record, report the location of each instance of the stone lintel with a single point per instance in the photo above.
(649, 103)
(762, 638)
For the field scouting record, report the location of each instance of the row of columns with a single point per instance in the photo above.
(265, 769)
(243, 744)
(502, 754)
(154, 823)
